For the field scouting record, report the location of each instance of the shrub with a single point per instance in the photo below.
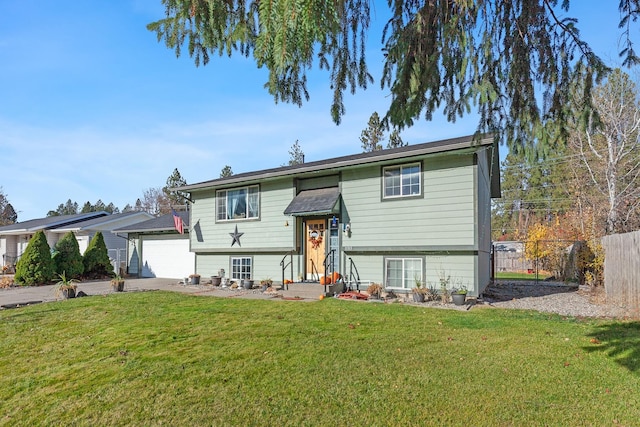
(96, 258)
(67, 259)
(35, 266)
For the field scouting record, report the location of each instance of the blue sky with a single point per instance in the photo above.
(93, 107)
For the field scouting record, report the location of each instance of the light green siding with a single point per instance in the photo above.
(447, 225)
(484, 217)
(263, 265)
(459, 268)
(269, 232)
(444, 216)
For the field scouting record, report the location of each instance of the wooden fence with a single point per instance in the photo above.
(622, 269)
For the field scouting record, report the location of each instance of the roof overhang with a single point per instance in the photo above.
(320, 201)
(473, 142)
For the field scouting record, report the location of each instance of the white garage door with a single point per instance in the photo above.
(168, 259)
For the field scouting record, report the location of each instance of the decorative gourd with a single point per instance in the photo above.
(325, 280)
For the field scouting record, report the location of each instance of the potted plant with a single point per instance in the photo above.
(266, 284)
(195, 279)
(374, 290)
(117, 283)
(247, 283)
(216, 280)
(419, 291)
(65, 287)
(459, 295)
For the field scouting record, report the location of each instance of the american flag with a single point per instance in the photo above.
(177, 222)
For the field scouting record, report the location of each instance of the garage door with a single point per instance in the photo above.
(169, 259)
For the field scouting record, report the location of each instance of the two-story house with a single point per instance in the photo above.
(416, 213)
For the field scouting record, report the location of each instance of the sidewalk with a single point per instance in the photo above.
(24, 295)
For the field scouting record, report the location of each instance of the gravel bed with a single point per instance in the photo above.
(549, 297)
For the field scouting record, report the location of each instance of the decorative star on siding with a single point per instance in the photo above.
(236, 237)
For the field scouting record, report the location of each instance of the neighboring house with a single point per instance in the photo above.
(156, 249)
(416, 213)
(14, 238)
(116, 245)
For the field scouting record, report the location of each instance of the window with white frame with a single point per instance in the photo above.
(238, 204)
(402, 181)
(241, 268)
(402, 273)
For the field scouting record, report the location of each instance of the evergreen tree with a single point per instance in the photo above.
(35, 266)
(67, 259)
(175, 198)
(128, 208)
(96, 258)
(68, 208)
(99, 206)
(87, 207)
(112, 209)
(395, 140)
(226, 172)
(372, 136)
(296, 155)
(138, 207)
(7, 214)
(514, 60)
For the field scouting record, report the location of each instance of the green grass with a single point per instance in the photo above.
(510, 275)
(157, 358)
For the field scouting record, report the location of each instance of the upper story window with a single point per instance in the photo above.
(238, 204)
(402, 181)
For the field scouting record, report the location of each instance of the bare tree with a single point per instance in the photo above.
(609, 149)
(155, 202)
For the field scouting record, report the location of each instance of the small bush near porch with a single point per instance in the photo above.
(154, 358)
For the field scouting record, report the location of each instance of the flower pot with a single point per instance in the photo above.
(216, 280)
(68, 293)
(458, 299)
(118, 286)
(195, 280)
(264, 287)
(247, 284)
(418, 297)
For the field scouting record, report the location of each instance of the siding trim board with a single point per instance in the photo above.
(244, 251)
(425, 248)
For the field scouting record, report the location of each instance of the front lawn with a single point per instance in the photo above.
(159, 358)
(513, 275)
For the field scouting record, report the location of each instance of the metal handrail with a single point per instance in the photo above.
(329, 266)
(352, 267)
(284, 267)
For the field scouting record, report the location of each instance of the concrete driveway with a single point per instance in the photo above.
(25, 295)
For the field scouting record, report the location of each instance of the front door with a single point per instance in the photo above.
(315, 236)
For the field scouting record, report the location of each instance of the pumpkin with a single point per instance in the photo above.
(336, 276)
(325, 280)
(321, 297)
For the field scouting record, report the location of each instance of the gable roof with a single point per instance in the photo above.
(48, 223)
(447, 145)
(161, 223)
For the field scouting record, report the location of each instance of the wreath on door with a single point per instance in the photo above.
(316, 239)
